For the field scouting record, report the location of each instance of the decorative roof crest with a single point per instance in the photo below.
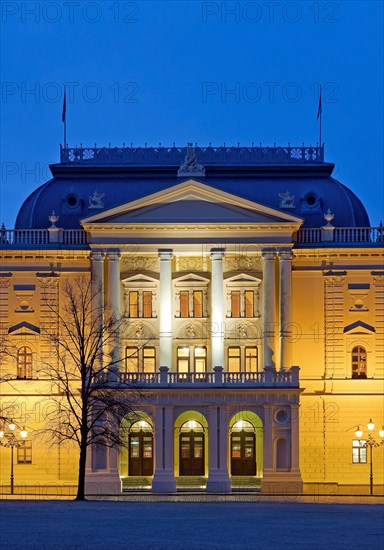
(191, 166)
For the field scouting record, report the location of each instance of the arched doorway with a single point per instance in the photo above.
(243, 449)
(246, 445)
(191, 449)
(140, 449)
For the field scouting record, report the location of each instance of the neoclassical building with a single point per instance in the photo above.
(252, 287)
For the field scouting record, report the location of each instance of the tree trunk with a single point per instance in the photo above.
(81, 479)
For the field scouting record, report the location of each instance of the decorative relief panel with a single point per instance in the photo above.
(191, 263)
(242, 263)
(138, 263)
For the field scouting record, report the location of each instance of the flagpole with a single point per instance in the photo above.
(64, 117)
(320, 115)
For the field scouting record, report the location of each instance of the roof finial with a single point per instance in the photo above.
(191, 166)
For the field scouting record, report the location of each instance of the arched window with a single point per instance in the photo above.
(359, 362)
(24, 363)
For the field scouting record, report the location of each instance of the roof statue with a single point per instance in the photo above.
(191, 166)
(96, 200)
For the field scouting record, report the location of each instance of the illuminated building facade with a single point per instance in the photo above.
(253, 289)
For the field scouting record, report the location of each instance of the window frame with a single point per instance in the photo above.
(238, 348)
(246, 357)
(24, 369)
(24, 453)
(359, 364)
(147, 349)
(359, 445)
(132, 305)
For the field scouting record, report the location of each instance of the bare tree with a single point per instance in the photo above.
(83, 337)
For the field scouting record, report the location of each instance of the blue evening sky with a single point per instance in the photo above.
(179, 71)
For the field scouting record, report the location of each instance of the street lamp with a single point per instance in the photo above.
(11, 440)
(370, 443)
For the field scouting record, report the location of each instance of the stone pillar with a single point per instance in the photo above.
(285, 308)
(114, 305)
(269, 307)
(165, 308)
(218, 477)
(295, 443)
(164, 477)
(217, 308)
(97, 274)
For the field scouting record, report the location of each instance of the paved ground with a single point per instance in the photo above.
(190, 526)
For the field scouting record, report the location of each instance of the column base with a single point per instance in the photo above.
(103, 484)
(286, 483)
(218, 482)
(164, 482)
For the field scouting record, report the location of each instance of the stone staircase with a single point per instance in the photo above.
(245, 483)
(137, 483)
(191, 483)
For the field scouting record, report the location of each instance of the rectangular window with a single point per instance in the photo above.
(132, 359)
(183, 359)
(133, 303)
(235, 303)
(197, 303)
(200, 359)
(184, 303)
(359, 453)
(24, 453)
(147, 303)
(149, 359)
(234, 364)
(251, 359)
(249, 305)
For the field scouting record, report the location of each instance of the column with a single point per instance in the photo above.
(218, 477)
(217, 308)
(97, 275)
(114, 306)
(285, 308)
(164, 477)
(268, 307)
(165, 308)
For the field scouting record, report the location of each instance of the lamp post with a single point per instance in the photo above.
(11, 440)
(370, 443)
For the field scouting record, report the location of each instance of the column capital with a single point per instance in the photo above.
(165, 254)
(113, 255)
(217, 253)
(97, 256)
(286, 254)
(268, 254)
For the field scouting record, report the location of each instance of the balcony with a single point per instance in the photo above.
(164, 379)
(355, 236)
(33, 238)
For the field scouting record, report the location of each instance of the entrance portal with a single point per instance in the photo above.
(192, 441)
(140, 449)
(243, 449)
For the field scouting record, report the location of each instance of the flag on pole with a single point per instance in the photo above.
(64, 113)
(320, 107)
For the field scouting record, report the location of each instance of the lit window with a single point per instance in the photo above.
(197, 303)
(24, 453)
(235, 303)
(249, 305)
(183, 359)
(251, 359)
(149, 359)
(359, 452)
(359, 362)
(24, 363)
(200, 359)
(184, 303)
(133, 303)
(147, 303)
(234, 364)
(132, 359)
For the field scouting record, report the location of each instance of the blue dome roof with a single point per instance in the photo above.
(259, 176)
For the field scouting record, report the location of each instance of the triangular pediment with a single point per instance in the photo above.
(190, 202)
(23, 329)
(191, 278)
(359, 327)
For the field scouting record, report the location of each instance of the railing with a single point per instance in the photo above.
(174, 156)
(355, 235)
(33, 237)
(217, 378)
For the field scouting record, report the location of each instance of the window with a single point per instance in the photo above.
(183, 359)
(251, 359)
(235, 303)
(147, 303)
(133, 303)
(359, 452)
(359, 362)
(149, 359)
(234, 364)
(197, 303)
(24, 453)
(132, 359)
(249, 305)
(140, 359)
(184, 303)
(200, 355)
(24, 363)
